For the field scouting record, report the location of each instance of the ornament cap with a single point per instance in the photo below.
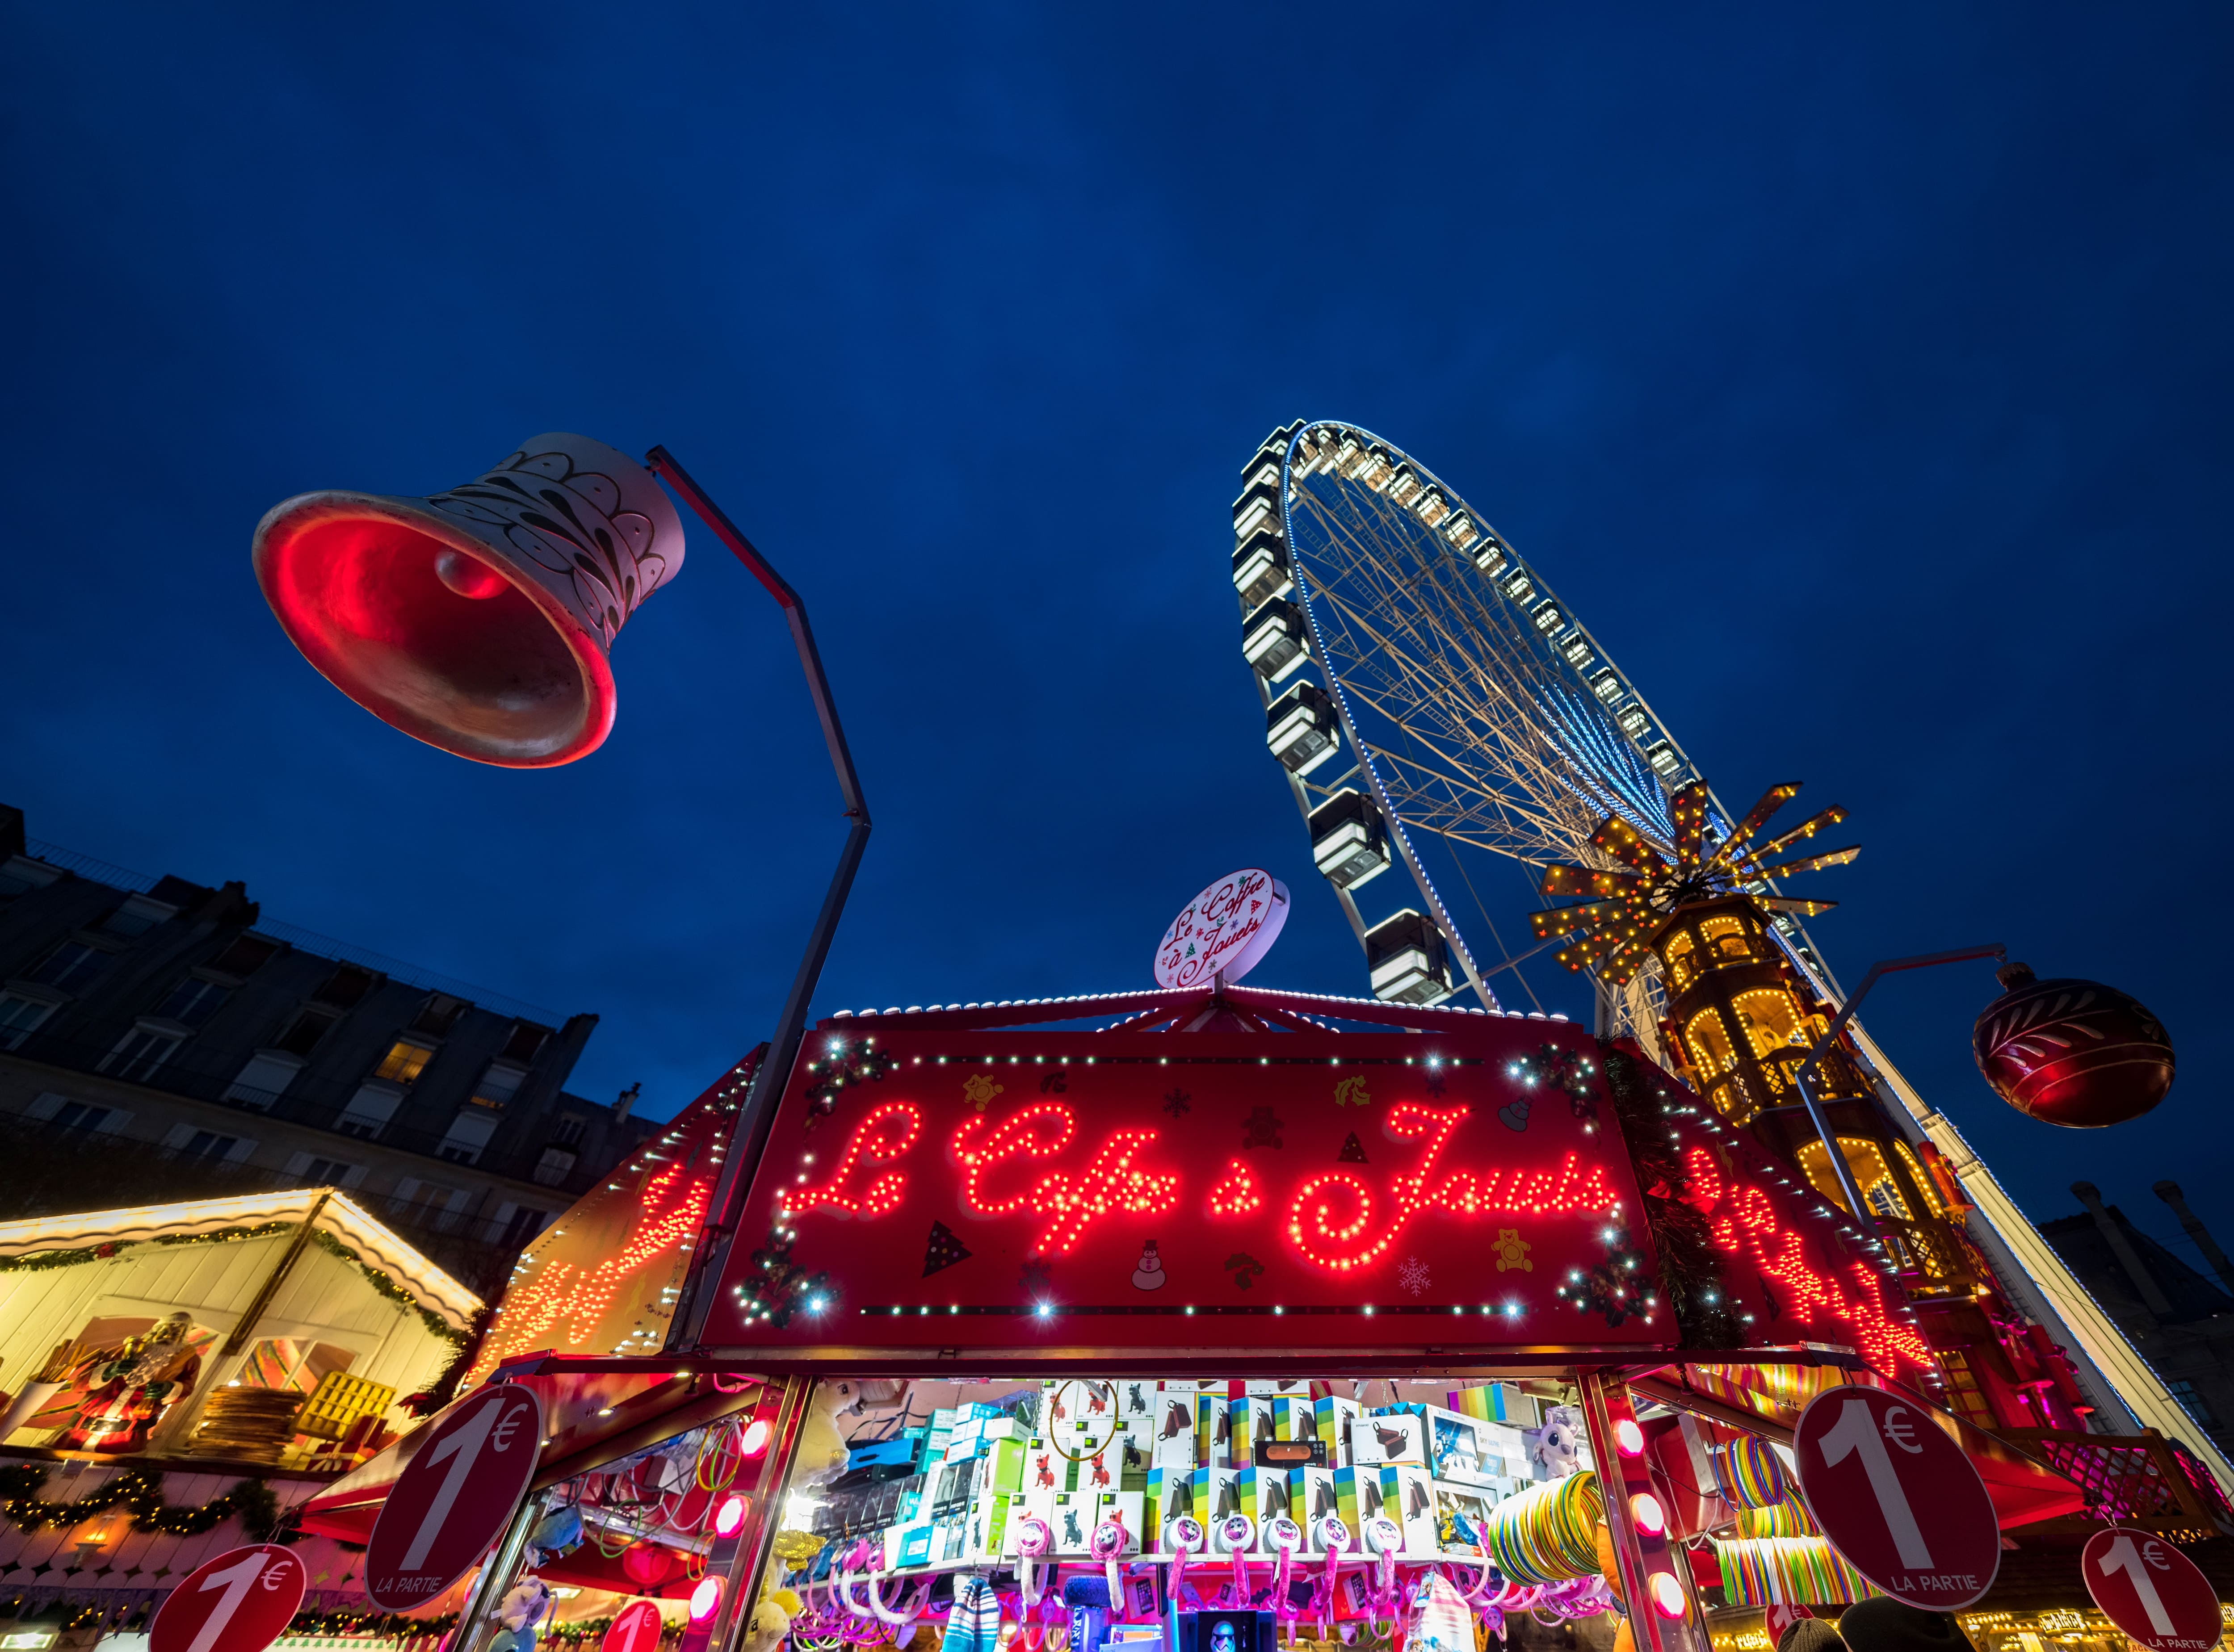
(2013, 976)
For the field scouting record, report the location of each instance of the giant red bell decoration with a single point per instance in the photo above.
(2073, 1053)
(478, 620)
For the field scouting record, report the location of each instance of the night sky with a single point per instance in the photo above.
(1862, 380)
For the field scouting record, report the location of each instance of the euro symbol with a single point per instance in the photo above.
(2152, 1551)
(501, 1436)
(1896, 1426)
(275, 1574)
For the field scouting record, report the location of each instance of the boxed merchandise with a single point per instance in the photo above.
(1503, 1453)
(1461, 1517)
(1214, 1429)
(1001, 1468)
(1455, 1448)
(1254, 1418)
(1102, 1471)
(1171, 1490)
(1356, 1496)
(1334, 1417)
(907, 1545)
(1036, 1503)
(952, 1486)
(1399, 1437)
(1172, 1443)
(1269, 1387)
(987, 1526)
(1073, 1521)
(1216, 1492)
(1275, 1498)
(1044, 1470)
(1408, 1497)
(1294, 1418)
(1311, 1499)
(1136, 1408)
(1126, 1509)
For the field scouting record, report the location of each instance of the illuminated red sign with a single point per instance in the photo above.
(1016, 1190)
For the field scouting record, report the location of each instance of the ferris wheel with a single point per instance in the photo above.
(1460, 709)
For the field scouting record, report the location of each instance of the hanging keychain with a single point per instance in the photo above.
(1284, 1536)
(1183, 1534)
(1109, 1541)
(1236, 1535)
(1383, 1538)
(1334, 1538)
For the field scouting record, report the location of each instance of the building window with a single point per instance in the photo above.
(499, 1082)
(527, 1040)
(344, 987)
(570, 1125)
(19, 876)
(301, 1035)
(244, 957)
(2191, 1402)
(368, 1110)
(136, 916)
(75, 1115)
(207, 1143)
(20, 1017)
(264, 1080)
(406, 1060)
(438, 1014)
(193, 1001)
(139, 1054)
(469, 1133)
(1962, 1388)
(555, 1166)
(520, 1226)
(325, 1172)
(70, 966)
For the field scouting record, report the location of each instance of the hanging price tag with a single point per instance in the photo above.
(454, 1497)
(1897, 1498)
(2155, 1594)
(239, 1602)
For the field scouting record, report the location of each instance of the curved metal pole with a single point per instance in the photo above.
(1802, 1074)
(750, 1135)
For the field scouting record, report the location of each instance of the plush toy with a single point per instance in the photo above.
(556, 1533)
(526, 1606)
(770, 1622)
(1556, 1447)
(1624, 1639)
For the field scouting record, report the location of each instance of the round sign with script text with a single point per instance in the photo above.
(239, 1602)
(1224, 930)
(2155, 1594)
(1897, 1498)
(637, 1629)
(454, 1497)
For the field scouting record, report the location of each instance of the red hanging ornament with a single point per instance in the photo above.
(648, 1566)
(2072, 1053)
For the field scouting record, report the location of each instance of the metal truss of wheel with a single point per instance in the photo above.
(1477, 713)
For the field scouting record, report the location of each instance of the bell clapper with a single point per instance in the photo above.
(468, 575)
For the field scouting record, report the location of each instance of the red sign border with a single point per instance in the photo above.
(1930, 1412)
(179, 1594)
(425, 1439)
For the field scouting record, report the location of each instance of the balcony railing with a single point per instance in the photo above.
(2140, 1480)
(318, 1105)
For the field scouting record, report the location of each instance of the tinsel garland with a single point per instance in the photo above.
(1569, 1072)
(1689, 1271)
(139, 1491)
(1617, 1288)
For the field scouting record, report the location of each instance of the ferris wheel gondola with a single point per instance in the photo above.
(1476, 712)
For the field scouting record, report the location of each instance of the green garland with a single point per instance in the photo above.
(139, 1492)
(1689, 1271)
(384, 1283)
(390, 1625)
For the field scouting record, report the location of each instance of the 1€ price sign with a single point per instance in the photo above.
(637, 1629)
(2151, 1590)
(454, 1497)
(1897, 1498)
(240, 1602)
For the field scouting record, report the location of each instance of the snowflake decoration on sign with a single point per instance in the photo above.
(1178, 1102)
(1412, 1274)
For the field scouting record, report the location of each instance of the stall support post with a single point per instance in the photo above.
(757, 1542)
(496, 1581)
(1637, 1556)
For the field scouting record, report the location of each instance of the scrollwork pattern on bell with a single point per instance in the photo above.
(570, 521)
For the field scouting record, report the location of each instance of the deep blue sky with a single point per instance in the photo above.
(1864, 381)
